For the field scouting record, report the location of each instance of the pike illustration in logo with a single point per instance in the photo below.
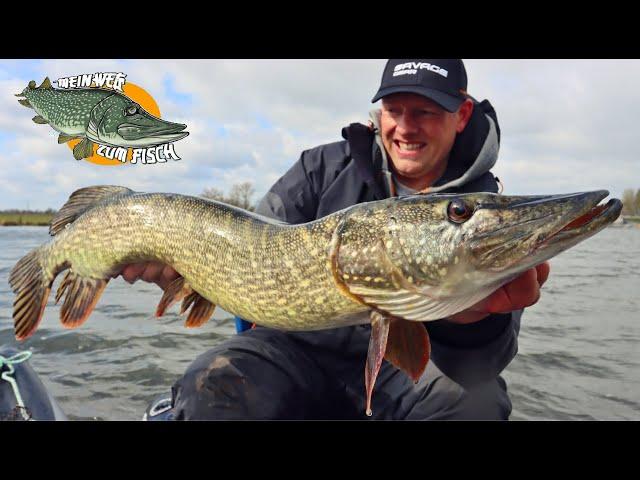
(96, 115)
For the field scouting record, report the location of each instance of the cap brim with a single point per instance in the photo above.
(450, 103)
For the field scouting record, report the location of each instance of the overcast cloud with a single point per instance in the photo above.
(567, 125)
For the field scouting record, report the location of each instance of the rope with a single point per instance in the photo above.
(10, 362)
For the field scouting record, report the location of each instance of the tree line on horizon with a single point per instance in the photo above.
(240, 195)
(631, 202)
(17, 211)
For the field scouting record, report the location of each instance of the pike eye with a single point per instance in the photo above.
(132, 110)
(459, 211)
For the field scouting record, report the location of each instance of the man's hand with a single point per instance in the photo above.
(520, 293)
(153, 272)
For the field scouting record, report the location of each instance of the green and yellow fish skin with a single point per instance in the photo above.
(410, 257)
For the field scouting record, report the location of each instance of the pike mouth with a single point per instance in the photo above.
(587, 222)
(168, 131)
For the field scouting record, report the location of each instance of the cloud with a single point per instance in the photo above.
(566, 125)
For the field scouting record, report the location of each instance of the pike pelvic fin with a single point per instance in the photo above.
(175, 292)
(408, 347)
(82, 200)
(83, 150)
(82, 294)
(201, 310)
(39, 120)
(29, 282)
(375, 354)
(403, 343)
(64, 138)
(24, 102)
(46, 84)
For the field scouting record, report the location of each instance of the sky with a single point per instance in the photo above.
(567, 125)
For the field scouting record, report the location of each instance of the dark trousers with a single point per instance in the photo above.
(267, 374)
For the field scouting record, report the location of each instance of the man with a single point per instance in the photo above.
(429, 136)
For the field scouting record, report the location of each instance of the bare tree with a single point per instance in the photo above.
(628, 202)
(213, 194)
(239, 195)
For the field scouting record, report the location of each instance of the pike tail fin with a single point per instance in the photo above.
(31, 284)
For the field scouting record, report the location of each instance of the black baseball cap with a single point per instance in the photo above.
(442, 80)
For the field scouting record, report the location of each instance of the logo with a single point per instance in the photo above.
(104, 119)
(411, 68)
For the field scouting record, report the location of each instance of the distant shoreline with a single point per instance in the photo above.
(25, 219)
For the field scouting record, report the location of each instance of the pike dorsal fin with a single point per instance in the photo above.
(80, 201)
(46, 84)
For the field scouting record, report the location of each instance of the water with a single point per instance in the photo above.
(579, 353)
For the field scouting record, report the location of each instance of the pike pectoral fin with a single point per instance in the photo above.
(408, 347)
(201, 310)
(40, 120)
(175, 292)
(81, 297)
(83, 150)
(64, 138)
(375, 354)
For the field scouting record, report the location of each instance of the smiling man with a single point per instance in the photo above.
(428, 136)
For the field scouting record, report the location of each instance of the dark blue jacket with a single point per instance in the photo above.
(331, 177)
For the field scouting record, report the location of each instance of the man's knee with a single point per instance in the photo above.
(243, 378)
(443, 399)
(484, 401)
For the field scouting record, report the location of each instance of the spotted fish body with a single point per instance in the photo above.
(394, 263)
(282, 278)
(97, 115)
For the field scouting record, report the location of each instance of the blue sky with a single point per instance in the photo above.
(566, 125)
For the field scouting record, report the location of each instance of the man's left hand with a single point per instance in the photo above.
(520, 293)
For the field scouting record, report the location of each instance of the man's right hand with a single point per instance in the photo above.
(152, 272)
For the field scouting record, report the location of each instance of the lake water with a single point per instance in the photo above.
(579, 347)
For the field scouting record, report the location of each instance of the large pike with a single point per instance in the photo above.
(97, 115)
(394, 262)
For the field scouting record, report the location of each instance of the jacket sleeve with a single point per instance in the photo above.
(475, 352)
(293, 198)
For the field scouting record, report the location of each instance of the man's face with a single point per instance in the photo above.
(418, 135)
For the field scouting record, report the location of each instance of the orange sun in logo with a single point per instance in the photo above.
(138, 95)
